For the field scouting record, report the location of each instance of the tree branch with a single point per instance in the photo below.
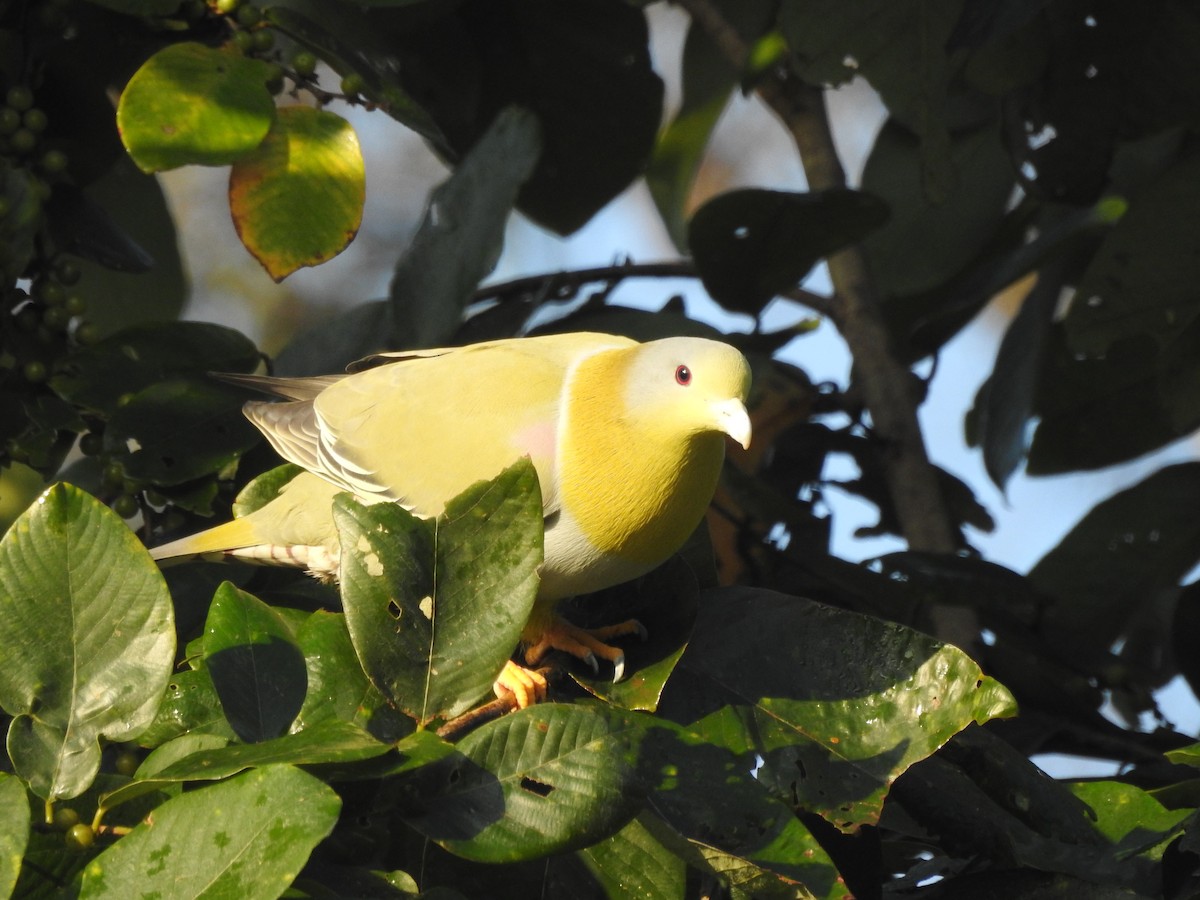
(887, 385)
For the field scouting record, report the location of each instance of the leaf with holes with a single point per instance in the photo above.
(297, 200)
(78, 665)
(542, 780)
(435, 607)
(838, 704)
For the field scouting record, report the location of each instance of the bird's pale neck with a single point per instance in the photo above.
(637, 487)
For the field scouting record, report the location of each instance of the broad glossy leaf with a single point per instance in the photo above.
(179, 430)
(77, 666)
(191, 104)
(462, 233)
(14, 830)
(898, 49)
(435, 607)
(246, 838)
(751, 244)
(328, 742)
(837, 704)
(256, 667)
(338, 688)
(297, 198)
(542, 780)
(1139, 541)
(97, 377)
(925, 242)
(632, 863)
(264, 488)
(1129, 818)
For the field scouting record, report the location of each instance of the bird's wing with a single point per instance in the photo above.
(421, 429)
(291, 388)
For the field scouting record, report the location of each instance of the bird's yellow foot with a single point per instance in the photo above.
(527, 686)
(585, 643)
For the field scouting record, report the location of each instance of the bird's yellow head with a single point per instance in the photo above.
(689, 385)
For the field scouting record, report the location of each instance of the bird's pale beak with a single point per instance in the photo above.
(733, 419)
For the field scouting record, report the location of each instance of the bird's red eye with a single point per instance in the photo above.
(683, 375)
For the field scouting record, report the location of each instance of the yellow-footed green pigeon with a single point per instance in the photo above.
(627, 439)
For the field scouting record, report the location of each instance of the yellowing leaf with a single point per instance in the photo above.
(297, 200)
(191, 104)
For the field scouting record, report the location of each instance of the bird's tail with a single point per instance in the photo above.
(226, 538)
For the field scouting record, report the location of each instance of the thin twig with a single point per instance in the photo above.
(489, 711)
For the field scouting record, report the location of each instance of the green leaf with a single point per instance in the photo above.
(897, 48)
(297, 199)
(542, 780)
(751, 244)
(179, 430)
(1137, 542)
(14, 831)
(633, 864)
(255, 665)
(837, 704)
(1143, 277)
(435, 607)
(78, 667)
(97, 377)
(338, 688)
(19, 224)
(190, 104)
(329, 742)
(190, 706)
(925, 242)
(247, 837)
(462, 233)
(1129, 818)
(264, 488)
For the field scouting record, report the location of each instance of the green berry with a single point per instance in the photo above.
(126, 762)
(264, 39)
(80, 837)
(113, 475)
(75, 305)
(87, 333)
(91, 444)
(304, 63)
(34, 371)
(274, 80)
(53, 162)
(126, 506)
(35, 120)
(248, 15)
(65, 818)
(19, 98)
(10, 120)
(353, 84)
(23, 140)
(244, 41)
(125, 399)
(227, 7)
(67, 271)
(50, 292)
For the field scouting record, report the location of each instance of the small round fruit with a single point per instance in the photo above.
(249, 15)
(35, 120)
(304, 63)
(67, 271)
(87, 333)
(264, 39)
(113, 475)
(126, 506)
(49, 292)
(80, 837)
(227, 7)
(34, 371)
(244, 41)
(10, 120)
(65, 818)
(91, 444)
(126, 763)
(75, 305)
(53, 162)
(353, 84)
(23, 140)
(19, 97)
(56, 318)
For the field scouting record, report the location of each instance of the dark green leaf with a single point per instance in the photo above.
(632, 863)
(1126, 548)
(190, 706)
(925, 242)
(462, 233)
(256, 667)
(179, 430)
(838, 704)
(143, 355)
(263, 489)
(542, 780)
(751, 244)
(246, 837)
(435, 607)
(78, 667)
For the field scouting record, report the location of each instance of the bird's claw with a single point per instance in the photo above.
(590, 659)
(619, 667)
